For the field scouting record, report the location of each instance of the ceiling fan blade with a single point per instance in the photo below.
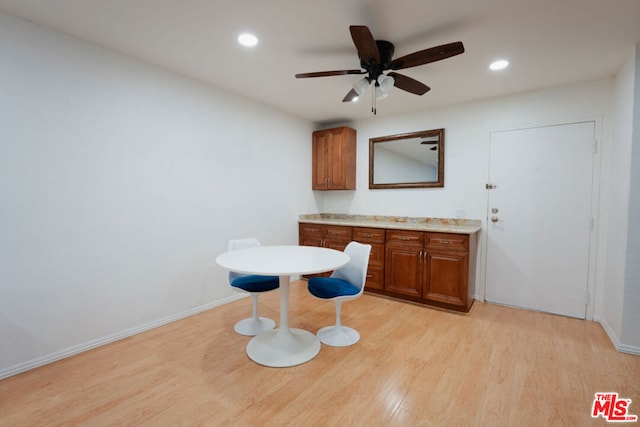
(426, 56)
(365, 44)
(410, 85)
(329, 73)
(350, 96)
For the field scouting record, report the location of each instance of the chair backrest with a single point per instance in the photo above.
(355, 272)
(236, 244)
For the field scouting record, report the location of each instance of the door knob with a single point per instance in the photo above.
(494, 210)
(494, 219)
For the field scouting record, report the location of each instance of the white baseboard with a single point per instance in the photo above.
(623, 348)
(76, 349)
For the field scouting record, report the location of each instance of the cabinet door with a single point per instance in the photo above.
(446, 277)
(320, 160)
(403, 270)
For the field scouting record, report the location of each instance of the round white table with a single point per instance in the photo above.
(284, 346)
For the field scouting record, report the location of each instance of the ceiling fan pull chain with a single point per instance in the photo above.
(374, 108)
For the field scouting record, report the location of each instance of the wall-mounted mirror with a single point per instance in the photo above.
(410, 160)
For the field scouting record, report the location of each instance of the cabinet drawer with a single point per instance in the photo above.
(305, 240)
(338, 232)
(375, 278)
(377, 254)
(405, 237)
(315, 230)
(448, 241)
(368, 235)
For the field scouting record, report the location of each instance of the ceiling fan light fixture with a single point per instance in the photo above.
(380, 93)
(385, 82)
(361, 86)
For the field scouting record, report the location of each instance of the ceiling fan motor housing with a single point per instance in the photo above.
(374, 69)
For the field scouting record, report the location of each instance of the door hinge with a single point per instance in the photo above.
(490, 186)
(591, 225)
(587, 297)
(595, 146)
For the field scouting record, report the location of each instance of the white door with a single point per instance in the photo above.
(540, 218)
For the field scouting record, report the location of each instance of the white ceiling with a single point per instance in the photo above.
(548, 42)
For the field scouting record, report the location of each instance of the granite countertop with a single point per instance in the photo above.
(443, 225)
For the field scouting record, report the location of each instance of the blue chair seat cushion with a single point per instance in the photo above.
(330, 287)
(254, 283)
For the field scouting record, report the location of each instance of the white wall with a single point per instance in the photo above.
(618, 201)
(467, 134)
(631, 307)
(120, 184)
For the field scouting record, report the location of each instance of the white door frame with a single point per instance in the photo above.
(594, 249)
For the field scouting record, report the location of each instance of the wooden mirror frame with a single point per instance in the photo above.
(422, 134)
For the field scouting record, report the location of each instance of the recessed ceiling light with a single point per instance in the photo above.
(247, 40)
(500, 64)
(355, 99)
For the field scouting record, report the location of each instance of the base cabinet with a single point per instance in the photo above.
(326, 236)
(426, 267)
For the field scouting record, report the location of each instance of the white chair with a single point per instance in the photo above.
(253, 284)
(344, 284)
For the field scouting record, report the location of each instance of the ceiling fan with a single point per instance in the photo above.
(376, 58)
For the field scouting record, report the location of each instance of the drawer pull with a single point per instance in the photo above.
(367, 235)
(404, 238)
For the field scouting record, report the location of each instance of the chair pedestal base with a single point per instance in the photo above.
(252, 326)
(338, 336)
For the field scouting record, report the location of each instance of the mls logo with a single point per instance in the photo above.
(612, 408)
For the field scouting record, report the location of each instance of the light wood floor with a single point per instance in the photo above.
(496, 366)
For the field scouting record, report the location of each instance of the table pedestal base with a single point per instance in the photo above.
(282, 348)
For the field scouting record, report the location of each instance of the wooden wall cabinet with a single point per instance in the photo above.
(334, 159)
(427, 267)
